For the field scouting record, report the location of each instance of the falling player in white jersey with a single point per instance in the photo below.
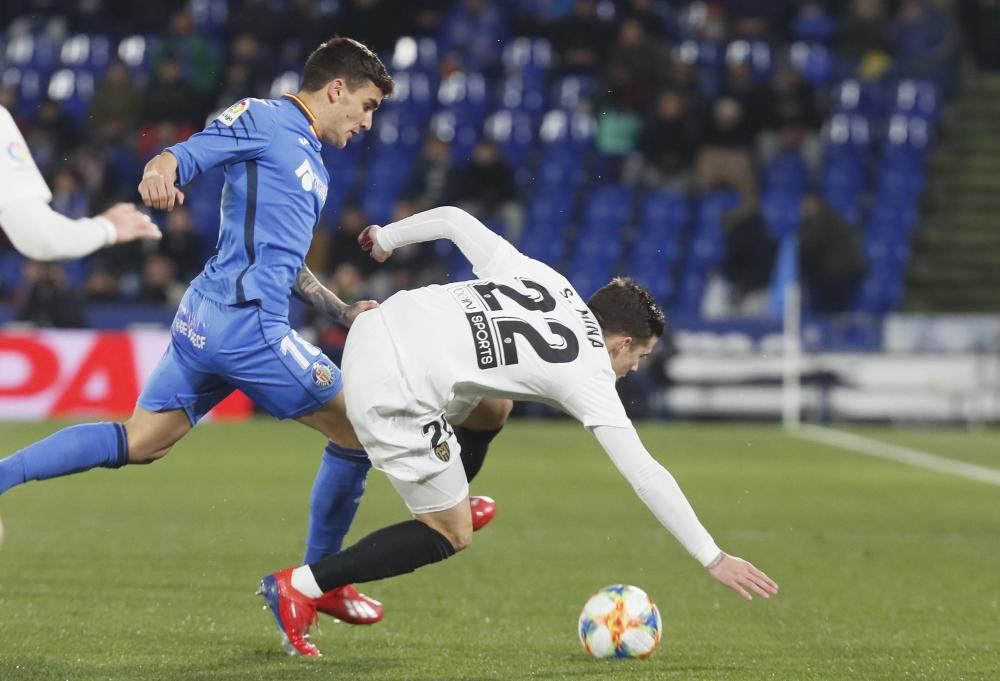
(519, 332)
(40, 233)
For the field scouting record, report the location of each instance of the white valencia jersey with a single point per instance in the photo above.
(520, 331)
(19, 176)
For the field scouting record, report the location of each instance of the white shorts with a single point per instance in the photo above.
(409, 440)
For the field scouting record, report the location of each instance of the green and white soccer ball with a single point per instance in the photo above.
(620, 621)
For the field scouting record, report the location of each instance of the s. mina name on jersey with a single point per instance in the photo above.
(477, 301)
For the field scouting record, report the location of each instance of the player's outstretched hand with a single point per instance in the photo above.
(742, 577)
(158, 191)
(352, 311)
(131, 223)
(369, 244)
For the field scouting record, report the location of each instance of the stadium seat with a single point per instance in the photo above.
(608, 210)
(73, 90)
(86, 52)
(514, 132)
(917, 98)
(571, 92)
(415, 54)
(781, 211)
(787, 172)
(814, 25)
(518, 95)
(665, 210)
(571, 132)
(813, 61)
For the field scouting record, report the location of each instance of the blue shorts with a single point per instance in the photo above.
(217, 348)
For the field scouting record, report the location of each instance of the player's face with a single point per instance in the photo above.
(627, 352)
(350, 111)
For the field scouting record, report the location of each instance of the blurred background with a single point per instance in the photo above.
(808, 188)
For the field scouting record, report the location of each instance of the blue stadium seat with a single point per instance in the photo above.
(518, 95)
(757, 53)
(135, 51)
(32, 51)
(86, 52)
(73, 90)
(813, 61)
(907, 140)
(664, 210)
(413, 99)
(571, 132)
(415, 54)
(917, 98)
(814, 25)
(608, 209)
(544, 241)
(571, 92)
(691, 290)
(528, 59)
(713, 206)
(787, 172)
(514, 132)
(781, 211)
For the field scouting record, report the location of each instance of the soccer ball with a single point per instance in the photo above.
(620, 621)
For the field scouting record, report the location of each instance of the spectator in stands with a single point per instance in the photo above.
(159, 282)
(172, 98)
(792, 117)
(344, 245)
(656, 17)
(864, 33)
(742, 85)
(196, 57)
(924, 41)
(68, 196)
(117, 104)
(181, 244)
(581, 39)
(476, 31)
(740, 288)
(667, 143)
(485, 187)
(257, 18)
(427, 185)
(55, 128)
(348, 283)
(50, 300)
(376, 23)
(101, 287)
(635, 66)
(831, 259)
(726, 159)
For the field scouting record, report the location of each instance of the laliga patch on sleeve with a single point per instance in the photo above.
(229, 116)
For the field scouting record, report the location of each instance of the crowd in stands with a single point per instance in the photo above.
(655, 100)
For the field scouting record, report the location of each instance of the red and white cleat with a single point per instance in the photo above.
(293, 611)
(348, 605)
(483, 510)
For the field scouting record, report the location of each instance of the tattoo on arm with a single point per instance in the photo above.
(308, 288)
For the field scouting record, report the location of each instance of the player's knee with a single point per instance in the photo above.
(149, 441)
(489, 414)
(460, 539)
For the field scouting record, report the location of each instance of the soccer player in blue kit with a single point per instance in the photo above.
(231, 330)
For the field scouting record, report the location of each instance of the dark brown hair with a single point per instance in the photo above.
(625, 308)
(348, 59)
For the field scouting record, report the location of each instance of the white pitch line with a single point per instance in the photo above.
(890, 452)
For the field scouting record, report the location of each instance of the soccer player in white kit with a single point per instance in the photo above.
(520, 332)
(40, 233)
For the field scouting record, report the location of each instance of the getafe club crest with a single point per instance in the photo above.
(323, 375)
(443, 452)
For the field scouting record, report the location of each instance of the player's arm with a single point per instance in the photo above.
(309, 289)
(240, 133)
(660, 492)
(478, 243)
(40, 233)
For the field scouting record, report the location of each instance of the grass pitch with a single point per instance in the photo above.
(886, 571)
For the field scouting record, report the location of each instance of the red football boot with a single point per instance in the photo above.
(348, 605)
(483, 510)
(293, 611)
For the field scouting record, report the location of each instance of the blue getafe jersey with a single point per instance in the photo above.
(276, 185)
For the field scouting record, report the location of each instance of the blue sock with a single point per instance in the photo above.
(71, 450)
(336, 495)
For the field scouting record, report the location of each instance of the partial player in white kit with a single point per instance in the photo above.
(519, 332)
(40, 233)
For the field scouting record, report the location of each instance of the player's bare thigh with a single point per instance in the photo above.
(490, 414)
(455, 523)
(151, 434)
(331, 420)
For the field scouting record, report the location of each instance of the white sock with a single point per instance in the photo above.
(304, 582)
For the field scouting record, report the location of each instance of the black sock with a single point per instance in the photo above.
(391, 551)
(474, 445)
